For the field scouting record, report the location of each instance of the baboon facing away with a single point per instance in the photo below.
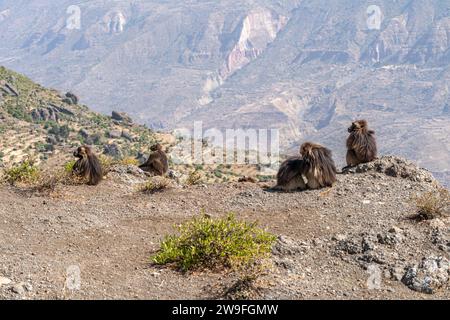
(88, 165)
(319, 168)
(157, 162)
(361, 144)
(289, 177)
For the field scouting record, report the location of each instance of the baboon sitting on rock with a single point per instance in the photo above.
(361, 144)
(157, 163)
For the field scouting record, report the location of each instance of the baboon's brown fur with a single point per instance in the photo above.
(361, 144)
(289, 177)
(319, 167)
(157, 163)
(88, 165)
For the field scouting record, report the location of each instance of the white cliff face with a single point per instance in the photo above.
(393, 39)
(114, 22)
(259, 28)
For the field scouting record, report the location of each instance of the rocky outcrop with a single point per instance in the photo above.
(45, 114)
(121, 117)
(8, 89)
(70, 98)
(394, 167)
(431, 274)
(50, 113)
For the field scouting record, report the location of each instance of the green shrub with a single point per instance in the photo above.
(60, 132)
(207, 243)
(25, 172)
(68, 166)
(18, 112)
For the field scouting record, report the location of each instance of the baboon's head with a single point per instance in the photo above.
(156, 147)
(306, 149)
(358, 125)
(82, 152)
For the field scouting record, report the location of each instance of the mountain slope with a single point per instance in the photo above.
(44, 124)
(305, 67)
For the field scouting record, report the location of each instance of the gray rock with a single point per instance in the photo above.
(286, 246)
(70, 98)
(394, 167)
(112, 150)
(393, 237)
(428, 276)
(114, 134)
(18, 288)
(440, 236)
(128, 169)
(8, 89)
(51, 139)
(121, 116)
(349, 246)
(127, 135)
(45, 114)
(84, 133)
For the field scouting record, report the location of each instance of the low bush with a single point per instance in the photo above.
(155, 184)
(24, 172)
(216, 243)
(433, 204)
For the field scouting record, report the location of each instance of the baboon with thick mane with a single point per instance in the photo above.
(87, 166)
(319, 168)
(289, 177)
(361, 144)
(157, 162)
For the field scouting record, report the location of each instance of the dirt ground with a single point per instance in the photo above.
(332, 243)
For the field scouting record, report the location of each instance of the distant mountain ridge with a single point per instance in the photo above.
(305, 67)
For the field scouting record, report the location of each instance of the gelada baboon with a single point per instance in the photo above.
(289, 177)
(157, 162)
(88, 165)
(319, 168)
(361, 144)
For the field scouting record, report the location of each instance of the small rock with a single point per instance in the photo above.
(339, 237)
(112, 150)
(121, 116)
(127, 135)
(114, 134)
(18, 288)
(4, 281)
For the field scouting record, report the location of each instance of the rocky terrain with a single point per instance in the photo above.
(356, 240)
(305, 67)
